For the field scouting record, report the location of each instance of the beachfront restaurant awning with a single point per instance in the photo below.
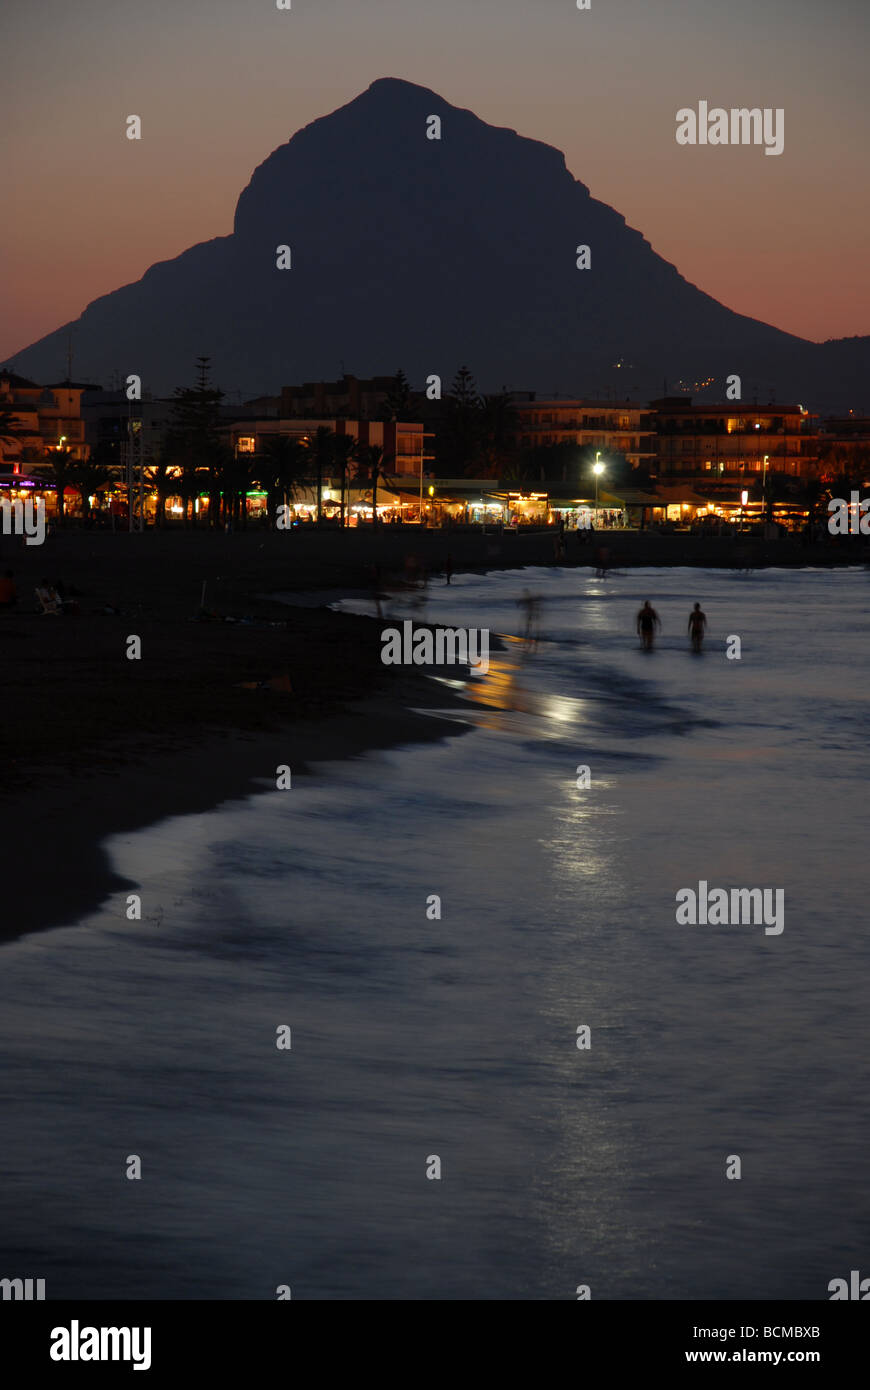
(560, 500)
(19, 480)
(400, 497)
(682, 493)
(632, 497)
(473, 497)
(725, 497)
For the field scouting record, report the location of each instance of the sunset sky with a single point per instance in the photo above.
(219, 85)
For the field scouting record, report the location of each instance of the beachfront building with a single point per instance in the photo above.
(46, 418)
(733, 441)
(45, 425)
(490, 502)
(402, 442)
(108, 416)
(351, 397)
(613, 427)
(844, 447)
(401, 496)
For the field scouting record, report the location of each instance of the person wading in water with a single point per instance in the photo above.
(697, 627)
(647, 622)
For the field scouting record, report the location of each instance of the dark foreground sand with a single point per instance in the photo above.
(93, 743)
(56, 870)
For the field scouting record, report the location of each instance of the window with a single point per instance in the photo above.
(246, 443)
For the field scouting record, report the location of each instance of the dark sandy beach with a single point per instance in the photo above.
(94, 743)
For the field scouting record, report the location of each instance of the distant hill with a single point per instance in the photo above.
(427, 254)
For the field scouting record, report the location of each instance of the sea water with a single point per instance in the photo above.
(415, 1036)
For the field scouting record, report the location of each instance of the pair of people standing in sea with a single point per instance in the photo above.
(649, 622)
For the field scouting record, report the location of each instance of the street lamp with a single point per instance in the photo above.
(597, 469)
(744, 498)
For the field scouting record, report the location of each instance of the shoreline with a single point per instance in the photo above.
(66, 868)
(94, 744)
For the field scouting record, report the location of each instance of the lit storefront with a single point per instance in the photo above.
(577, 513)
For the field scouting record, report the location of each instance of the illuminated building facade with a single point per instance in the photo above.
(731, 440)
(613, 427)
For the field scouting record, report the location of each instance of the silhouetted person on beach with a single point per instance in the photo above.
(375, 572)
(531, 605)
(697, 627)
(648, 621)
(602, 561)
(448, 569)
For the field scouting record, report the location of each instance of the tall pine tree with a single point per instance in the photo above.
(398, 404)
(459, 436)
(194, 441)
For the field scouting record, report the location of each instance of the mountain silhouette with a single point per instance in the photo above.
(426, 254)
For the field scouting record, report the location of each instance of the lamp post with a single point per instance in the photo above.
(597, 469)
(744, 498)
(765, 503)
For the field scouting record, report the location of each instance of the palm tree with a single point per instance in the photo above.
(227, 477)
(11, 427)
(813, 494)
(240, 471)
(345, 449)
(519, 468)
(322, 449)
(773, 487)
(88, 478)
(499, 424)
(282, 463)
(59, 460)
(157, 475)
(372, 470)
